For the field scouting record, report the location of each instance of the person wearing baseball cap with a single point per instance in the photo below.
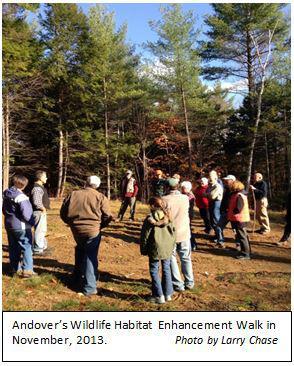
(86, 211)
(128, 191)
(223, 220)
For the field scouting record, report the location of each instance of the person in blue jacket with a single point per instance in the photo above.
(18, 213)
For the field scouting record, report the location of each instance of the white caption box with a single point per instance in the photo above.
(148, 336)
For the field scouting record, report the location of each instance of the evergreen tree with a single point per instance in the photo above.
(110, 71)
(21, 82)
(177, 54)
(242, 36)
(65, 37)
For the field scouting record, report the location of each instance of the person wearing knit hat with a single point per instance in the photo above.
(186, 187)
(178, 208)
(202, 203)
(128, 190)
(86, 211)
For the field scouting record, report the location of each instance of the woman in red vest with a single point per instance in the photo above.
(239, 216)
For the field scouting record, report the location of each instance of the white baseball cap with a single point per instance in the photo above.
(187, 185)
(93, 180)
(230, 177)
(204, 180)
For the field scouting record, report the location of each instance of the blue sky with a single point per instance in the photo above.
(138, 15)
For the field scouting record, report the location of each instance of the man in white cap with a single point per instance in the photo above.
(223, 220)
(128, 190)
(86, 211)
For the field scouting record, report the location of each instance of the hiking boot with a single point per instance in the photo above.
(157, 300)
(243, 257)
(28, 273)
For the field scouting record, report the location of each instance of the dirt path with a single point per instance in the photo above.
(222, 282)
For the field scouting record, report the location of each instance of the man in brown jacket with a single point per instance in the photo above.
(86, 211)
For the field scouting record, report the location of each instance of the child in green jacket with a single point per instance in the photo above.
(158, 241)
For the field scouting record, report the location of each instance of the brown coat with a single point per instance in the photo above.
(86, 211)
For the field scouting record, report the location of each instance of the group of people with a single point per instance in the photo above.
(166, 232)
(22, 214)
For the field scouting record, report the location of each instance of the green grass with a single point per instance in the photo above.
(66, 305)
(100, 306)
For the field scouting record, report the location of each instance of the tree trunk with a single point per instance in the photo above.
(60, 163)
(106, 140)
(187, 131)
(257, 120)
(287, 165)
(267, 166)
(6, 147)
(65, 165)
(250, 75)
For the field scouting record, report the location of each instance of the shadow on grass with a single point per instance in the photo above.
(110, 277)
(122, 236)
(228, 252)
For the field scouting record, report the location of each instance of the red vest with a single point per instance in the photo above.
(243, 215)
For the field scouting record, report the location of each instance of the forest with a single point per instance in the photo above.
(78, 99)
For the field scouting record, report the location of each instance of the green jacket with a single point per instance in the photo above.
(158, 239)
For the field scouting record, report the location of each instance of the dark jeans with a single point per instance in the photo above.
(164, 286)
(128, 201)
(242, 238)
(204, 213)
(222, 223)
(214, 212)
(20, 249)
(86, 262)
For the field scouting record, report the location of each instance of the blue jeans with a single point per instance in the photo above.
(184, 251)
(222, 223)
(164, 286)
(20, 244)
(86, 262)
(40, 241)
(214, 211)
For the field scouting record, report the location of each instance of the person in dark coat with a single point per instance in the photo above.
(159, 185)
(18, 221)
(260, 190)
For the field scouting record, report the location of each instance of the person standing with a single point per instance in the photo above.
(86, 211)
(178, 208)
(18, 221)
(41, 203)
(158, 240)
(238, 214)
(223, 220)
(202, 203)
(186, 187)
(159, 184)
(260, 190)
(214, 194)
(129, 190)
